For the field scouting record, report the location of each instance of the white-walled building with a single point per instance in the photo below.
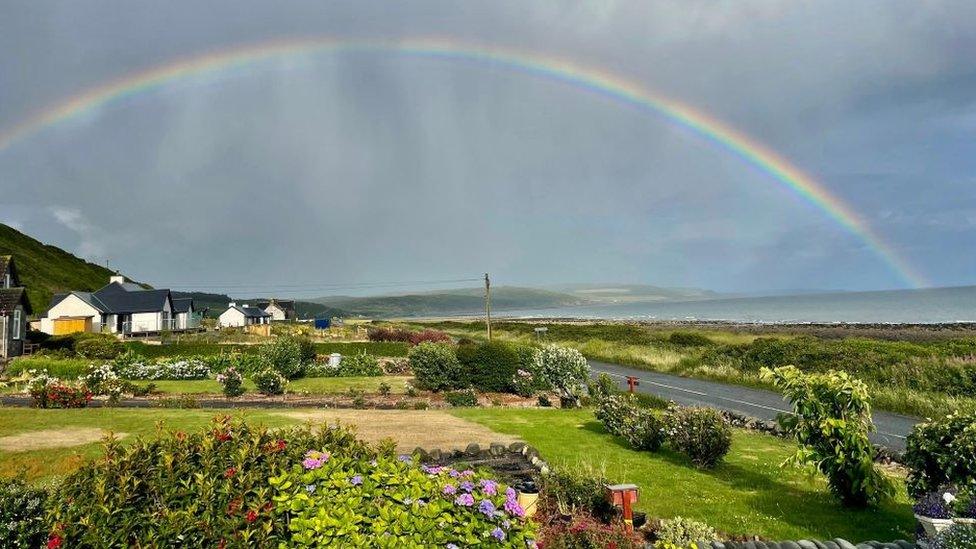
(120, 308)
(242, 315)
(279, 309)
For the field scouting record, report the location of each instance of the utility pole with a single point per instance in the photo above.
(488, 305)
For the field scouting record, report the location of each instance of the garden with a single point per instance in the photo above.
(700, 478)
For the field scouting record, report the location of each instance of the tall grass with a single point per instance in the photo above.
(64, 368)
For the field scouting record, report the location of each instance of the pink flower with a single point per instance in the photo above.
(465, 500)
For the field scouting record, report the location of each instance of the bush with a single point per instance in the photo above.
(22, 515)
(957, 536)
(460, 399)
(166, 368)
(203, 489)
(683, 532)
(51, 392)
(585, 532)
(602, 387)
(306, 350)
(389, 334)
(334, 501)
(102, 348)
(284, 355)
(270, 382)
(689, 339)
(490, 366)
(575, 492)
(940, 453)
(831, 420)
(350, 366)
(428, 336)
(699, 433)
(436, 367)
(99, 379)
(564, 370)
(622, 416)
(231, 382)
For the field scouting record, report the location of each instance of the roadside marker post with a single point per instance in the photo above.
(623, 496)
(632, 382)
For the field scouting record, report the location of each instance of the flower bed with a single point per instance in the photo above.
(170, 368)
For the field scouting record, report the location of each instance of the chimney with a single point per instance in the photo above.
(231, 304)
(116, 278)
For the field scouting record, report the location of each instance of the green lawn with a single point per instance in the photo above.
(748, 494)
(311, 385)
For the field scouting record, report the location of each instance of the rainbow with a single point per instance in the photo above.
(586, 78)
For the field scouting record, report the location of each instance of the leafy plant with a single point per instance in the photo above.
(203, 489)
(621, 415)
(700, 433)
(357, 365)
(831, 420)
(104, 348)
(492, 366)
(682, 532)
(22, 515)
(585, 532)
(941, 452)
(459, 399)
(436, 367)
(330, 500)
(99, 378)
(564, 370)
(935, 505)
(285, 355)
(957, 536)
(231, 382)
(270, 382)
(385, 389)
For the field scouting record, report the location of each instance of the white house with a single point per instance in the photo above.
(120, 308)
(242, 315)
(184, 314)
(14, 308)
(279, 309)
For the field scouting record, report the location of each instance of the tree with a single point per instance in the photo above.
(831, 420)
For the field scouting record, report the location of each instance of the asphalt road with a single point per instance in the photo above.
(892, 429)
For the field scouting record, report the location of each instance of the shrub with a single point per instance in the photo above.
(490, 366)
(689, 339)
(524, 383)
(99, 379)
(699, 433)
(396, 367)
(231, 382)
(459, 399)
(389, 334)
(564, 370)
(166, 368)
(428, 336)
(831, 420)
(585, 532)
(306, 350)
(934, 505)
(622, 416)
(22, 515)
(336, 501)
(436, 367)
(575, 492)
(284, 355)
(51, 392)
(359, 365)
(941, 452)
(683, 532)
(385, 389)
(602, 387)
(957, 536)
(203, 489)
(102, 348)
(270, 382)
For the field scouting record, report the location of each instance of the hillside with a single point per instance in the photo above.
(46, 270)
(451, 302)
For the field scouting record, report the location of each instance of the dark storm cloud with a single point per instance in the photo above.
(365, 167)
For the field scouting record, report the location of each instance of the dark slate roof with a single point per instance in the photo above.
(7, 265)
(117, 299)
(252, 312)
(182, 304)
(11, 297)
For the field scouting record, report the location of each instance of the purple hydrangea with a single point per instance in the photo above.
(356, 480)
(454, 473)
(490, 487)
(510, 493)
(933, 505)
(465, 500)
(487, 507)
(452, 546)
(467, 486)
(405, 458)
(467, 473)
(450, 489)
(498, 534)
(513, 508)
(315, 459)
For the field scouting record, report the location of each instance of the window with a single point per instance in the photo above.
(17, 323)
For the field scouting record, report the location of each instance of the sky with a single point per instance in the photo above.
(305, 172)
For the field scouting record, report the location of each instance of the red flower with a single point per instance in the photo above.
(222, 544)
(233, 506)
(281, 445)
(230, 472)
(251, 516)
(54, 541)
(222, 437)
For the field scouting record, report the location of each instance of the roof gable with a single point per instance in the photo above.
(11, 297)
(117, 299)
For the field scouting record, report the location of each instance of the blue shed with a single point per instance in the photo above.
(323, 323)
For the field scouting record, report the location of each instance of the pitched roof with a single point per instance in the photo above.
(252, 312)
(182, 304)
(11, 297)
(7, 265)
(117, 299)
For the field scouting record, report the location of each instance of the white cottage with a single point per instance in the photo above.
(242, 315)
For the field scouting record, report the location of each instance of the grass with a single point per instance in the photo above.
(65, 368)
(748, 494)
(920, 377)
(387, 349)
(49, 464)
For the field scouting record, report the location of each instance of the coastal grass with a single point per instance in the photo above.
(748, 494)
(922, 377)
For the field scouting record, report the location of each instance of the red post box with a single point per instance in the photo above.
(632, 382)
(623, 496)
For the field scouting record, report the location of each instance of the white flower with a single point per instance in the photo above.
(948, 498)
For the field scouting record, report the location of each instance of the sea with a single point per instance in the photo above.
(925, 306)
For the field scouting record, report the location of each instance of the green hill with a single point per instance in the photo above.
(46, 270)
(451, 302)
